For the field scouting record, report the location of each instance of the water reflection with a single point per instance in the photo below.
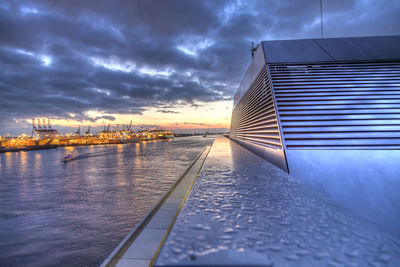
(82, 209)
(23, 162)
(8, 159)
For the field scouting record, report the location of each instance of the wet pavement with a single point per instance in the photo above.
(243, 211)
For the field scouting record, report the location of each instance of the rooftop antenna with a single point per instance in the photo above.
(253, 49)
(322, 27)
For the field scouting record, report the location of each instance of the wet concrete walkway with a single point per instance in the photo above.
(141, 244)
(243, 211)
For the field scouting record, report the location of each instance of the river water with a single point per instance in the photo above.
(74, 214)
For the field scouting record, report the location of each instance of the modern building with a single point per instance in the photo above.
(328, 112)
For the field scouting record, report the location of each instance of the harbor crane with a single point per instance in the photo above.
(33, 125)
(34, 129)
(130, 125)
(88, 131)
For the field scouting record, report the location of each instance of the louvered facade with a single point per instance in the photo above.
(338, 105)
(255, 119)
(328, 112)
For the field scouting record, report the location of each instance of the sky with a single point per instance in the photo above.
(170, 64)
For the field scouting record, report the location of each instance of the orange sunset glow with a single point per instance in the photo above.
(215, 115)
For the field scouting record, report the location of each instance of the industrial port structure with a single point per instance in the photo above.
(44, 136)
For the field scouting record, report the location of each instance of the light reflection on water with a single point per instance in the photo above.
(74, 214)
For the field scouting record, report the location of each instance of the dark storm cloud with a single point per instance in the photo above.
(167, 111)
(110, 118)
(59, 58)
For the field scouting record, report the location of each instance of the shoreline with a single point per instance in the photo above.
(33, 148)
(69, 145)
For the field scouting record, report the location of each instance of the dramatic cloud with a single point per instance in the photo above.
(59, 58)
(168, 111)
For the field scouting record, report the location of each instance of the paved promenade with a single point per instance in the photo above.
(243, 211)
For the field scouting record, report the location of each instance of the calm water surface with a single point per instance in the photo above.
(74, 214)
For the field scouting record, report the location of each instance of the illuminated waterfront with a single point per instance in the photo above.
(74, 214)
(46, 137)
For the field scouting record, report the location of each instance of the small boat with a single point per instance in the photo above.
(68, 158)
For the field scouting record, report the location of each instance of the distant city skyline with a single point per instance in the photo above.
(169, 64)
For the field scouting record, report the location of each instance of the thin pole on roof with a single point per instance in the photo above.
(322, 28)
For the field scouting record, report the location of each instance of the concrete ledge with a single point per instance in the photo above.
(140, 245)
